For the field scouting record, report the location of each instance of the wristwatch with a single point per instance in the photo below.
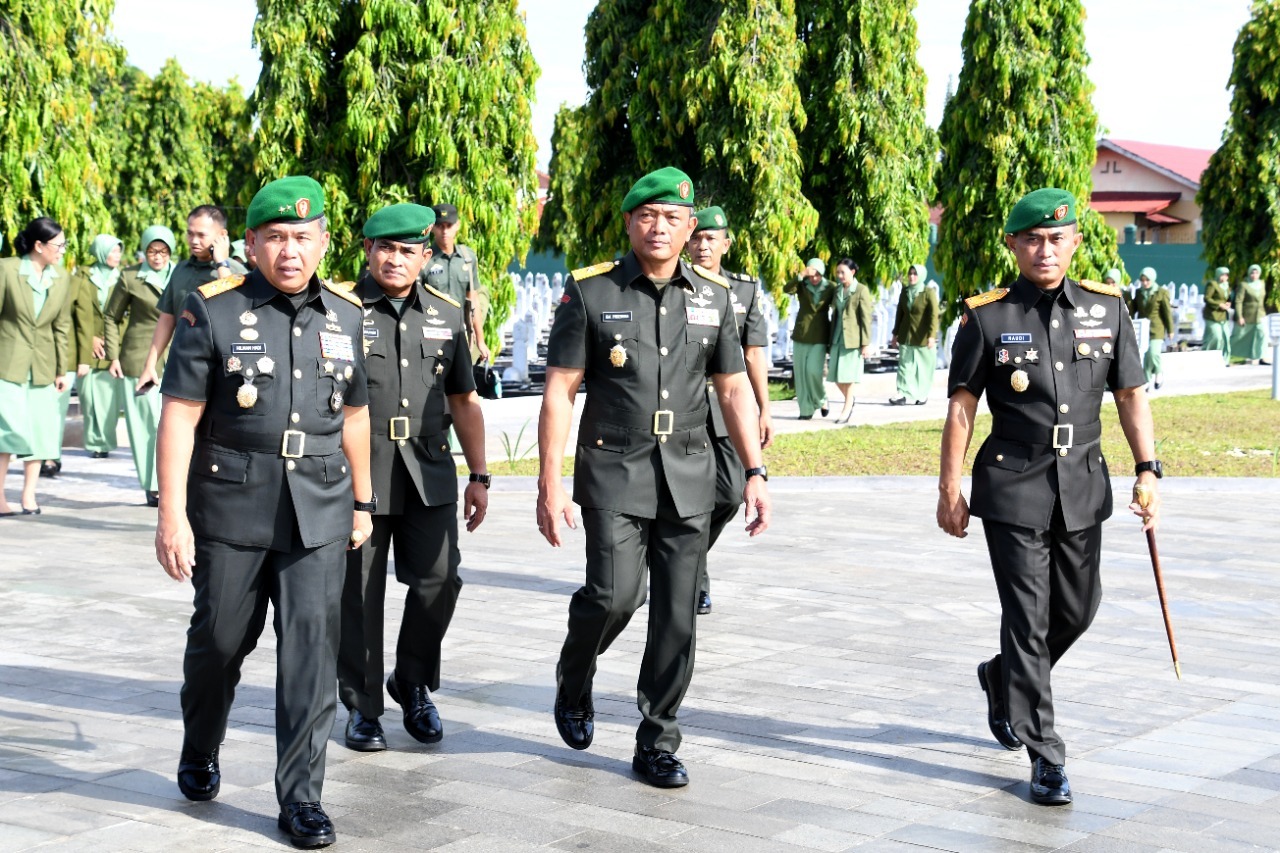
(483, 479)
(1153, 466)
(225, 262)
(371, 506)
(762, 472)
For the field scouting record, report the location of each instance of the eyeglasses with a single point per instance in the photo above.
(162, 250)
(58, 247)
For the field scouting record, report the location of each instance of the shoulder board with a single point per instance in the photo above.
(710, 276)
(222, 285)
(348, 286)
(739, 276)
(987, 298)
(342, 292)
(1099, 287)
(446, 297)
(594, 269)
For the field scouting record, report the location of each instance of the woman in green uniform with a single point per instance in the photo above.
(1217, 299)
(1249, 338)
(35, 326)
(915, 334)
(810, 337)
(850, 333)
(136, 297)
(98, 390)
(1151, 303)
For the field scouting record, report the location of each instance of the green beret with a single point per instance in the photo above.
(818, 265)
(404, 223)
(709, 218)
(1114, 275)
(296, 198)
(668, 185)
(158, 232)
(1253, 267)
(1149, 274)
(1044, 208)
(1220, 271)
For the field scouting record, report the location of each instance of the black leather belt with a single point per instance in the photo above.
(1058, 436)
(661, 422)
(398, 429)
(291, 444)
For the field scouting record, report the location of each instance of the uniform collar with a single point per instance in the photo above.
(368, 291)
(630, 267)
(1029, 295)
(260, 291)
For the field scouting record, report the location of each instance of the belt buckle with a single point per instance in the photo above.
(657, 422)
(302, 444)
(398, 434)
(1071, 436)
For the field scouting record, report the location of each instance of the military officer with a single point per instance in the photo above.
(419, 375)
(710, 240)
(915, 334)
(1151, 303)
(1217, 299)
(264, 444)
(453, 270)
(210, 260)
(1043, 350)
(644, 332)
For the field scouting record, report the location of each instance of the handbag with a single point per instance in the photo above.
(488, 385)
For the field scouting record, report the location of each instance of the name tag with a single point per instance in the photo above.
(336, 346)
(248, 349)
(433, 334)
(702, 316)
(370, 332)
(1092, 333)
(615, 317)
(1015, 338)
(739, 308)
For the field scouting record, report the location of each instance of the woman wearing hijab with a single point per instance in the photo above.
(1217, 299)
(136, 297)
(1151, 303)
(1250, 338)
(35, 328)
(915, 333)
(850, 333)
(810, 337)
(98, 390)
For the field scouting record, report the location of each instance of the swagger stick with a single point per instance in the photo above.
(1142, 497)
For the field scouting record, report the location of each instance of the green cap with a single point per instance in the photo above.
(711, 218)
(1149, 273)
(296, 198)
(158, 232)
(668, 185)
(1113, 274)
(1220, 271)
(404, 223)
(1044, 208)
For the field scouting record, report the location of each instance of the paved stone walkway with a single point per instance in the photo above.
(834, 706)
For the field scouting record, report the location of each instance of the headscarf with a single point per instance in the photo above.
(911, 291)
(100, 274)
(158, 278)
(1114, 275)
(1150, 274)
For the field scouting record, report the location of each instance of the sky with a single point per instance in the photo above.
(1160, 67)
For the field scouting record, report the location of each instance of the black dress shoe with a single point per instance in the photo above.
(307, 825)
(704, 603)
(921, 402)
(575, 723)
(825, 411)
(35, 511)
(199, 778)
(99, 454)
(50, 468)
(659, 768)
(1049, 786)
(364, 734)
(806, 417)
(421, 719)
(153, 499)
(898, 401)
(997, 717)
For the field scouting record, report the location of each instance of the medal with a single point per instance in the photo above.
(249, 334)
(618, 355)
(431, 310)
(328, 367)
(266, 365)
(247, 395)
(335, 402)
(1019, 381)
(346, 372)
(1084, 348)
(331, 316)
(248, 318)
(1097, 312)
(233, 364)
(439, 369)
(1106, 347)
(1032, 355)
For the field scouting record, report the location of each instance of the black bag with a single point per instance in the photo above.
(488, 384)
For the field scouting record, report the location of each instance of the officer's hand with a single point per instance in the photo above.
(60, 384)
(893, 342)
(146, 380)
(116, 370)
(1146, 501)
(755, 497)
(361, 528)
(99, 347)
(553, 504)
(475, 503)
(766, 430)
(866, 351)
(953, 514)
(220, 248)
(483, 350)
(932, 343)
(175, 545)
(82, 370)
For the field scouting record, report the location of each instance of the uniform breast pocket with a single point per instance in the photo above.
(248, 394)
(376, 368)
(618, 347)
(331, 386)
(698, 341)
(1007, 455)
(1092, 366)
(436, 358)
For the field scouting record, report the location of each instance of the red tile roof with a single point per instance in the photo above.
(1187, 163)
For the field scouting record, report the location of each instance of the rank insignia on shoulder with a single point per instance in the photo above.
(189, 317)
(710, 276)
(987, 298)
(593, 270)
(222, 285)
(1099, 287)
(341, 293)
(446, 297)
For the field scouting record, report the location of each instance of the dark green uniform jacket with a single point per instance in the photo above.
(38, 347)
(415, 358)
(1152, 304)
(813, 325)
(753, 331)
(1063, 358)
(1215, 293)
(1248, 302)
(914, 324)
(187, 276)
(138, 301)
(89, 321)
(854, 319)
(263, 460)
(646, 355)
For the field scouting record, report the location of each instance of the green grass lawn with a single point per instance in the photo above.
(1207, 435)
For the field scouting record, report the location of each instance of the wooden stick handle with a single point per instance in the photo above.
(1164, 604)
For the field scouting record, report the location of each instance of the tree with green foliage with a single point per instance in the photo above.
(869, 152)
(1021, 118)
(1240, 189)
(385, 101)
(54, 54)
(222, 113)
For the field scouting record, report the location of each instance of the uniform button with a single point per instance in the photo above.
(1062, 452)
(403, 327)
(297, 331)
(295, 417)
(1054, 324)
(663, 351)
(999, 457)
(297, 374)
(1017, 360)
(1064, 408)
(704, 340)
(1057, 366)
(663, 439)
(1099, 459)
(444, 447)
(439, 352)
(617, 337)
(662, 310)
(704, 444)
(402, 442)
(599, 442)
(665, 393)
(344, 469)
(404, 403)
(213, 468)
(291, 465)
(404, 362)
